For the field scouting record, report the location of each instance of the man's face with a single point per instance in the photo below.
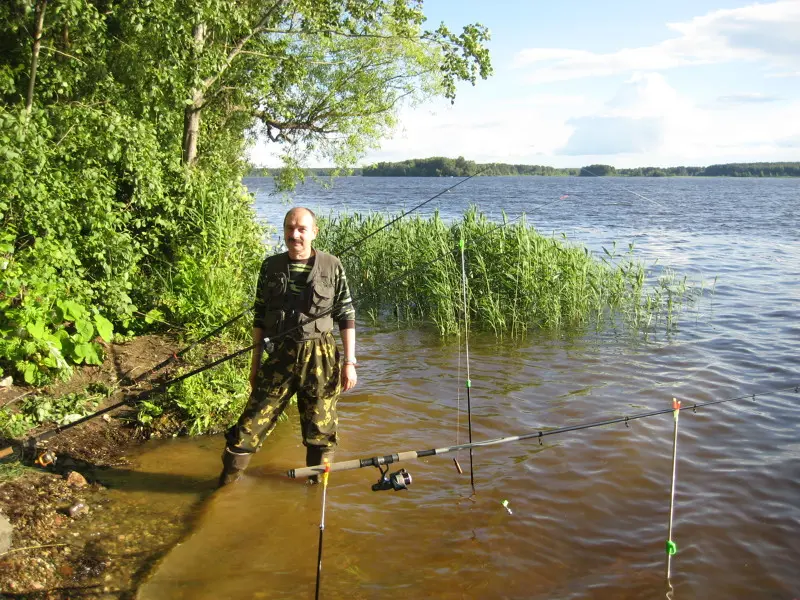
(299, 231)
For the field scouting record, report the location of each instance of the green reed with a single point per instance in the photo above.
(517, 279)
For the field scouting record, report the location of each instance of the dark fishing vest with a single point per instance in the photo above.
(285, 311)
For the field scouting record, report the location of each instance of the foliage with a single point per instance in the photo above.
(516, 278)
(118, 199)
(208, 402)
(597, 171)
(439, 166)
(11, 470)
(785, 169)
(37, 410)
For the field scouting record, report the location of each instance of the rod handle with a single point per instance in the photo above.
(6, 451)
(318, 469)
(349, 465)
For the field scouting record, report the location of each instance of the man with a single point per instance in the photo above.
(300, 293)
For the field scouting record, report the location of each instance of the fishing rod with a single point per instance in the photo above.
(176, 355)
(33, 441)
(173, 357)
(408, 212)
(322, 524)
(401, 479)
(466, 351)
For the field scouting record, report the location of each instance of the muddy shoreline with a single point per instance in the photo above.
(67, 539)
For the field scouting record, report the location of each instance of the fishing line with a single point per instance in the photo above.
(458, 404)
(378, 461)
(418, 206)
(624, 188)
(325, 474)
(466, 353)
(671, 547)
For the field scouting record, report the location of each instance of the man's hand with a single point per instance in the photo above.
(349, 377)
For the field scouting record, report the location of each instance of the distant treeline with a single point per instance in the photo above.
(439, 166)
(317, 172)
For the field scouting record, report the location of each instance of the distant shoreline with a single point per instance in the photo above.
(459, 167)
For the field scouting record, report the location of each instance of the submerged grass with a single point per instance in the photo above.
(517, 279)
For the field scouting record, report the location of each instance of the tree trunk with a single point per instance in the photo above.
(191, 128)
(37, 42)
(191, 114)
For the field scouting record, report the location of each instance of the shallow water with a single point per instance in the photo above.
(589, 508)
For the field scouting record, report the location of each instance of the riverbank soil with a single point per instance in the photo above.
(61, 546)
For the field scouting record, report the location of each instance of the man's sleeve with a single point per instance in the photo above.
(343, 311)
(259, 307)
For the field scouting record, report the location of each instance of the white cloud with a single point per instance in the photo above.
(635, 120)
(747, 98)
(790, 142)
(614, 135)
(783, 75)
(764, 33)
(648, 122)
(514, 130)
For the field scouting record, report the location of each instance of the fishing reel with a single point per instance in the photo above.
(399, 480)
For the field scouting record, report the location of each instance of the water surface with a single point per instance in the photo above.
(590, 508)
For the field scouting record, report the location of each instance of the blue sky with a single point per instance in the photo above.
(618, 82)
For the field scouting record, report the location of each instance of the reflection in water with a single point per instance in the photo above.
(671, 590)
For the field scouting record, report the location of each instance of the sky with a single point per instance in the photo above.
(619, 82)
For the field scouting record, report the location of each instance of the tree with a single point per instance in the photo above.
(597, 171)
(123, 130)
(322, 78)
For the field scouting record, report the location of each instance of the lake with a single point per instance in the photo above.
(588, 509)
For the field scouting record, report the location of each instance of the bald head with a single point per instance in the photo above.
(298, 211)
(299, 230)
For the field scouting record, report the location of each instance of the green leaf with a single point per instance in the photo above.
(104, 327)
(71, 310)
(153, 315)
(36, 329)
(80, 351)
(87, 353)
(93, 355)
(85, 330)
(30, 373)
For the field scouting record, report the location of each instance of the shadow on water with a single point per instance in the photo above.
(155, 482)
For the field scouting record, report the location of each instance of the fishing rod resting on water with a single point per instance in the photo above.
(401, 479)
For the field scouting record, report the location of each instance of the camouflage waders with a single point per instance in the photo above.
(309, 369)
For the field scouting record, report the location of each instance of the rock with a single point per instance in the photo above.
(106, 417)
(78, 508)
(7, 382)
(5, 533)
(66, 571)
(75, 479)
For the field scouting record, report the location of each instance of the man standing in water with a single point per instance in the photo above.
(300, 294)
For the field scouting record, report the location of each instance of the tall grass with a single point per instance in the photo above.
(212, 273)
(517, 279)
